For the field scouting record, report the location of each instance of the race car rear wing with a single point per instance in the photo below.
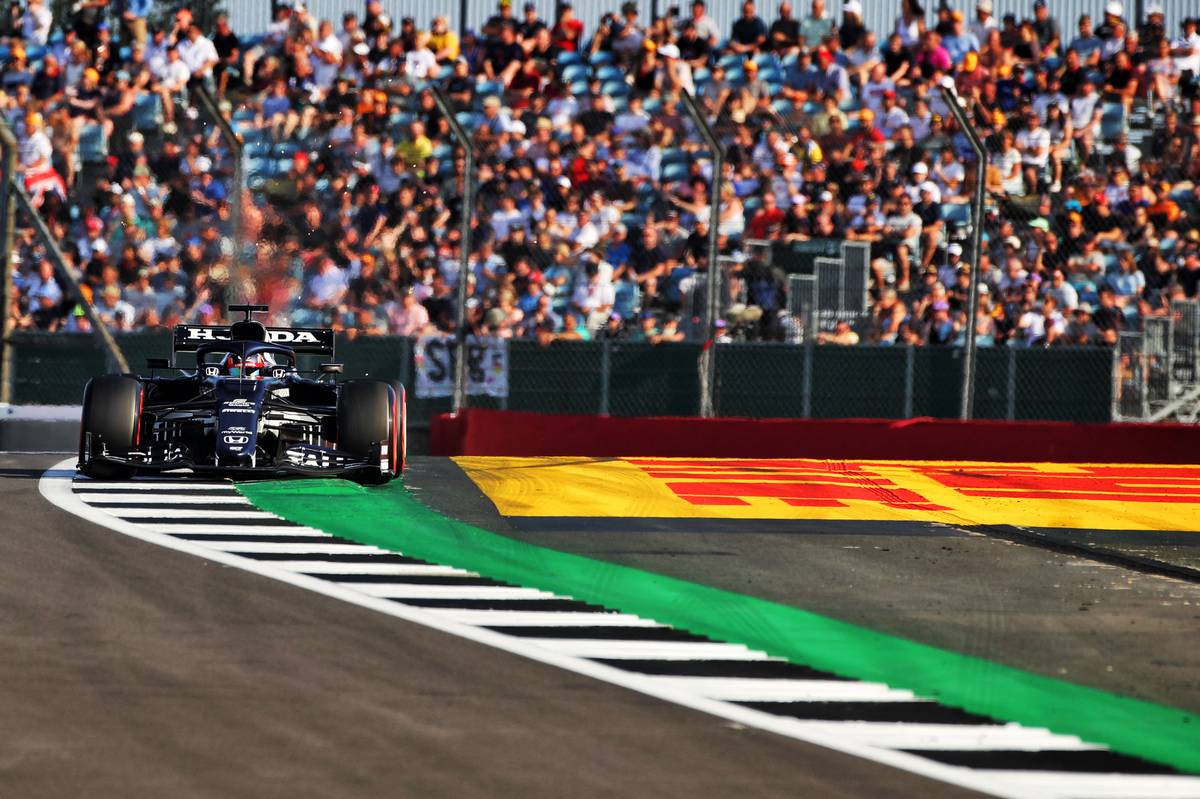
(303, 340)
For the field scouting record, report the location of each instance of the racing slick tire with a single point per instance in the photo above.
(112, 409)
(369, 413)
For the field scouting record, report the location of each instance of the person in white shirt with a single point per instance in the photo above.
(1186, 50)
(1042, 326)
(326, 56)
(1008, 164)
(36, 149)
(36, 23)
(1085, 117)
(586, 234)
(198, 53)
(984, 21)
(420, 62)
(706, 27)
(1034, 143)
(173, 76)
(506, 217)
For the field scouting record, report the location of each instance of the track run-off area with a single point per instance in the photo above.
(872, 609)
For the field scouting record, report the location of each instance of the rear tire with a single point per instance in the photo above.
(112, 407)
(370, 413)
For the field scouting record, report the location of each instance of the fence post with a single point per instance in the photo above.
(605, 374)
(8, 149)
(233, 140)
(950, 95)
(909, 361)
(1010, 397)
(709, 355)
(1114, 411)
(113, 350)
(807, 381)
(464, 255)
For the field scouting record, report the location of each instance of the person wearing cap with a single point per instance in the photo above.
(985, 21)
(1113, 26)
(1152, 31)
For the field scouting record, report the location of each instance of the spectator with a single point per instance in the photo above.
(749, 32)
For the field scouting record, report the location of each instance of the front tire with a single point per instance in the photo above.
(371, 413)
(112, 409)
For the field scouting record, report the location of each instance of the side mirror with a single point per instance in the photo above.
(158, 363)
(332, 368)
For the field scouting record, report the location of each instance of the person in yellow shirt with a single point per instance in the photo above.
(443, 41)
(416, 148)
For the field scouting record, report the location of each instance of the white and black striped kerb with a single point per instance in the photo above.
(870, 720)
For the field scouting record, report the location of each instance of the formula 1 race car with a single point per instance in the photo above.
(244, 409)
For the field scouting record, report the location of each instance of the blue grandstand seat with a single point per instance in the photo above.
(730, 60)
(672, 173)
(256, 149)
(1112, 120)
(579, 88)
(956, 213)
(599, 57)
(93, 144)
(616, 88)
(675, 155)
(701, 75)
(567, 59)
(627, 299)
(609, 72)
(575, 72)
(147, 112)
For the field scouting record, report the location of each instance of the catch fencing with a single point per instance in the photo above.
(628, 378)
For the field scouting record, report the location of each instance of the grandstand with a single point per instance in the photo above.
(181, 163)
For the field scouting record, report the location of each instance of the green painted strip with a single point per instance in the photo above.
(391, 518)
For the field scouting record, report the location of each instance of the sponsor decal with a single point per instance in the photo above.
(273, 336)
(239, 405)
(229, 438)
(795, 483)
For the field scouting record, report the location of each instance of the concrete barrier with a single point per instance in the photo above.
(39, 428)
(512, 433)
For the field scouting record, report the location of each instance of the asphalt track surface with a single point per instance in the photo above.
(133, 670)
(137, 670)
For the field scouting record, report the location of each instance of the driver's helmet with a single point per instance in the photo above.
(255, 366)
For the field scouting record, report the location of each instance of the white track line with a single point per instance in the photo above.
(541, 618)
(644, 650)
(955, 737)
(747, 689)
(56, 487)
(167, 528)
(396, 569)
(417, 591)
(181, 498)
(189, 513)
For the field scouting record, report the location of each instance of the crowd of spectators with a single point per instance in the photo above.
(593, 185)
